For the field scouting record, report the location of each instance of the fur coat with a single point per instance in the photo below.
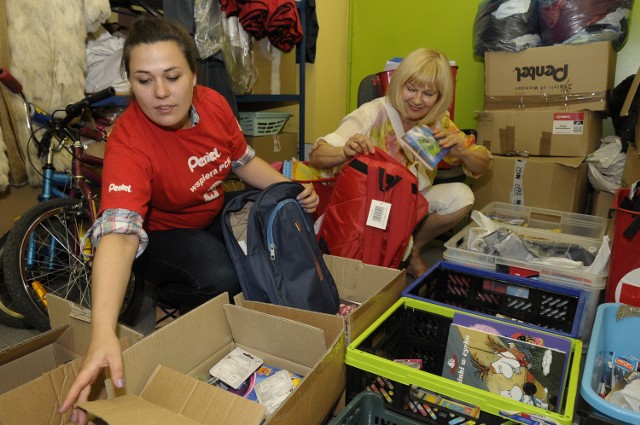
(47, 55)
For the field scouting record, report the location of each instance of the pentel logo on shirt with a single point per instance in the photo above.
(120, 188)
(194, 161)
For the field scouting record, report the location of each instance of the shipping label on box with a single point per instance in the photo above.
(557, 183)
(544, 133)
(570, 77)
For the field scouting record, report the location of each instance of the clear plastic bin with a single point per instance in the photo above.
(593, 284)
(569, 223)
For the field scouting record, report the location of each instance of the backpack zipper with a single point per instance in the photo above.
(270, 240)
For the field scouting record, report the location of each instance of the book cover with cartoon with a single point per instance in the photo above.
(518, 370)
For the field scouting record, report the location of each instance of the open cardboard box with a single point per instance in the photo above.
(35, 375)
(374, 288)
(164, 372)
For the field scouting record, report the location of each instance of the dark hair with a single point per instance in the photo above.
(153, 29)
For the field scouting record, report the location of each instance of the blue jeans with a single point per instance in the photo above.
(188, 266)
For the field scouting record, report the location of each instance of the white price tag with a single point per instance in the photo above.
(378, 214)
(274, 390)
(236, 367)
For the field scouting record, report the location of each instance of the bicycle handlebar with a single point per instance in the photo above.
(75, 109)
(8, 80)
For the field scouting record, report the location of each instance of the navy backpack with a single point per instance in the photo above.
(274, 250)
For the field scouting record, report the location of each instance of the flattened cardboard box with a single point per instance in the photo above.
(564, 77)
(557, 183)
(545, 133)
(307, 343)
(35, 375)
(631, 170)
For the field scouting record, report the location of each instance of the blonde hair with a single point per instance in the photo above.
(423, 67)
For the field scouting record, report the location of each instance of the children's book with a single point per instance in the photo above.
(516, 369)
(424, 146)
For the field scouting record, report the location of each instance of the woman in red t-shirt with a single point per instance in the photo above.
(164, 164)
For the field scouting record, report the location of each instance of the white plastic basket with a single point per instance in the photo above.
(263, 123)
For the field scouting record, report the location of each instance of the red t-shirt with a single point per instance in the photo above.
(172, 177)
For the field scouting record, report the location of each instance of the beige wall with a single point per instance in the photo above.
(326, 82)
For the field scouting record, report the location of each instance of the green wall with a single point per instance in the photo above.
(380, 30)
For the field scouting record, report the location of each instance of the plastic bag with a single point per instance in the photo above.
(606, 164)
(104, 54)
(209, 33)
(510, 25)
(584, 21)
(238, 56)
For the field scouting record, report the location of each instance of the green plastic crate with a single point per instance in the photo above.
(367, 356)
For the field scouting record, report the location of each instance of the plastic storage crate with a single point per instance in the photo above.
(262, 123)
(534, 303)
(368, 408)
(456, 251)
(587, 226)
(609, 335)
(413, 329)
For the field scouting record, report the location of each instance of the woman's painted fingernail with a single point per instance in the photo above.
(120, 383)
(73, 416)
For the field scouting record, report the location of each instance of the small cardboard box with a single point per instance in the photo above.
(631, 170)
(303, 342)
(67, 340)
(557, 183)
(277, 147)
(602, 203)
(276, 71)
(562, 77)
(374, 288)
(546, 133)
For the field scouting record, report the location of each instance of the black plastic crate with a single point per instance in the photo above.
(532, 302)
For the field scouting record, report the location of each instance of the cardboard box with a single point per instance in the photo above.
(601, 203)
(547, 133)
(35, 375)
(375, 288)
(557, 183)
(276, 71)
(563, 77)
(628, 106)
(631, 170)
(278, 147)
(67, 340)
(303, 342)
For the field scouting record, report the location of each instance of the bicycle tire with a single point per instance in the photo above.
(43, 256)
(9, 316)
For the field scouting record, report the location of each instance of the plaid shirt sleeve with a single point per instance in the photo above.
(122, 221)
(248, 155)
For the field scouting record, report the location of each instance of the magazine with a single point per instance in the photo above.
(424, 146)
(511, 368)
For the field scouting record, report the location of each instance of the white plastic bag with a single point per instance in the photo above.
(606, 164)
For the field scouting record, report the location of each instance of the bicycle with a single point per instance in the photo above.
(44, 252)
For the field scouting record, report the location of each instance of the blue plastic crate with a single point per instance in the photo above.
(534, 303)
(609, 335)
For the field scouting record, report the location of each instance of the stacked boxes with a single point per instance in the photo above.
(542, 117)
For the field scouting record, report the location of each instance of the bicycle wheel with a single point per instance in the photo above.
(9, 316)
(43, 255)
